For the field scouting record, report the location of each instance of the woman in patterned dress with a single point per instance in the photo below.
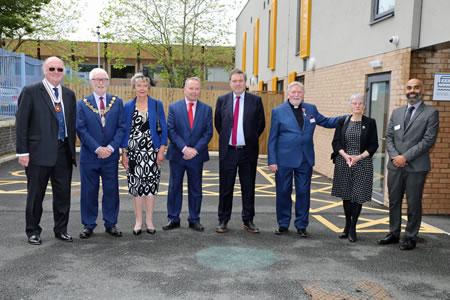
(354, 143)
(143, 150)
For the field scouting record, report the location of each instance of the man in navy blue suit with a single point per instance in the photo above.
(291, 154)
(100, 127)
(239, 120)
(189, 127)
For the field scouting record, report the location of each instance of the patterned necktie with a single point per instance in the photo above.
(60, 117)
(408, 115)
(235, 122)
(191, 114)
(102, 113)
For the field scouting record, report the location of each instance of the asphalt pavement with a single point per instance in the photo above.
(185, 264)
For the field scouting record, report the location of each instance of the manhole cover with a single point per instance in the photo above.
(344, 290)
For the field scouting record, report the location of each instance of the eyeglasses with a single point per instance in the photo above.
(100, 79)
(60, 70)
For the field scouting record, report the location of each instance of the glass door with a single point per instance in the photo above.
(377, 107)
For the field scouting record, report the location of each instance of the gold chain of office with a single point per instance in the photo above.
(101, 111)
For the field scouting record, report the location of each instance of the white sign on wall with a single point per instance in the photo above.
(441, 86)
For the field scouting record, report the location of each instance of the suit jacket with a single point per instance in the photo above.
(253, 123)
(288, 146)
(128, 113)
(37, 125)
(368, 139)
(181, 135)
(90, 129)
(413, 142)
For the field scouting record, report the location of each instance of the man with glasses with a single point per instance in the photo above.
(100, 127)
(45, 145)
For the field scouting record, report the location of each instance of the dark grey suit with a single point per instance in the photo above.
(37, 134)
(414, 143)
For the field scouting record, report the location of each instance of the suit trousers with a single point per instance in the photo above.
(400, 181)
(90, 174)
(228, 168)
(60, 177)
(283, 178)
(194, 172)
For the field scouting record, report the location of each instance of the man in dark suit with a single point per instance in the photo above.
(239, 120)
(45, 145)
(411, 132)
(100, 127)
(291, 153)
(189, 127)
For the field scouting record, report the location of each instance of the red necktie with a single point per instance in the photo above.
(102, 113)
(191, 114)
(235, 122)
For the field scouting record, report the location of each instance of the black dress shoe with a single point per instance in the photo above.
(389, 239)
(222, 227)
(196, 226)
(408, 245)
(281, 230)
(35, 239)
(137, 232)
(302, 232)
(250, 227)
(343, 235)
(151, 231)
(352, 238)
(86, 233)
(63, 236)
(114, 231)
(171, 225)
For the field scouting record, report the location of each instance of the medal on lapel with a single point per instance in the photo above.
(57, 107)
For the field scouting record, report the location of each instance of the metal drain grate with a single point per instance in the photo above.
(344, 290)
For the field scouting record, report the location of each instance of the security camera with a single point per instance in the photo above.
(394, 39)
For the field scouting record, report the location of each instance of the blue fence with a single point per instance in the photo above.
(16, 71)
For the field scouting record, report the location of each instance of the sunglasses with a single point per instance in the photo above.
(60, 70)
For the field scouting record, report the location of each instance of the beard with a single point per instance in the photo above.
(414, 99)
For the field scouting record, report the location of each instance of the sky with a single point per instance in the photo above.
(90, 19)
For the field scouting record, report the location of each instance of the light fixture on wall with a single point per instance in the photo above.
(376, 63)
(311, 64)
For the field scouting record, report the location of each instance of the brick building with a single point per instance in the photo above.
(338, 48)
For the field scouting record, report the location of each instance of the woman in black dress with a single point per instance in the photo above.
(143, 149)
(354, 143)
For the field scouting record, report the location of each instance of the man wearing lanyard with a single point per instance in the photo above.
(45, 145)
(239, 120)
(100, 127)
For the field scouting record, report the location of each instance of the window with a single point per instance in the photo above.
(300, 78)
(154, 71)
(382, 9)
(126, 72)
(265, 88)
(299, 17)
(280, 85)
(87, 67)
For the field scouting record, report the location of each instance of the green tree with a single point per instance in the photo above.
(176, 33)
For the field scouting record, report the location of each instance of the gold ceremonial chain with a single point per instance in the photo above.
(100, 111)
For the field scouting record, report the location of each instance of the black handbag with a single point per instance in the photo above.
(158, 123)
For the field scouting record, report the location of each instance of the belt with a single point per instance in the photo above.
(236, 147)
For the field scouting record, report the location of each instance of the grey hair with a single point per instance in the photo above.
(97, 70)
(192, 78)
(238, 71)
(44, 65)
(295, 83)
(356, 96)
(139, 77)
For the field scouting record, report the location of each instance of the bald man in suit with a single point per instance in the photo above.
(411, 132)
(45, 145)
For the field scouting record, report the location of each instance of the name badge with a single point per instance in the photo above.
(396, 127)
(312, 120)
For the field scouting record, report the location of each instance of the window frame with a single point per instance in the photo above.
(376, 17)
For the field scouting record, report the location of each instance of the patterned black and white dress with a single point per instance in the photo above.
(355, 183)
(143, 172)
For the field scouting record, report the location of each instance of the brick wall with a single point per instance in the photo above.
(436, 197)
(7, 137)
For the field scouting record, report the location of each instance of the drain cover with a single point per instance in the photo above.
(344, 290)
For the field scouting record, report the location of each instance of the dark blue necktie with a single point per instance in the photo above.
(60, 117)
